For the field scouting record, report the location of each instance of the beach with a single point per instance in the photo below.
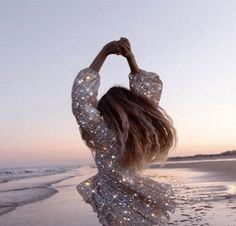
(205, 193)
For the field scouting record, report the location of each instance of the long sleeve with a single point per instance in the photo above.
(147, 84)
(84, 102)
(118, 196)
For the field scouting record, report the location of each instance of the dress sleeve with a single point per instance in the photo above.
(147, 84)
(84, 103)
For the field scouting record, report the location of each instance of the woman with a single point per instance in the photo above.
(125, 130)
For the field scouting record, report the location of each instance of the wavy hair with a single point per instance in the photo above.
(145, 130)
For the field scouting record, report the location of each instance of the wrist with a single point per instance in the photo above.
(132, 64)
(98, 61)
(130, 56)
(103, 53)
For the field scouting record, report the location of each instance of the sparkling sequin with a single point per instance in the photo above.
(147, 84)
(119, 197)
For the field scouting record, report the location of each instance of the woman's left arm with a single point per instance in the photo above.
(99, 60)
(110, 48)
(84, 100)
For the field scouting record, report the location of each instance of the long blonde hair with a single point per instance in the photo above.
(146, 132)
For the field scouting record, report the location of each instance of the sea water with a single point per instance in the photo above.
(22, 185)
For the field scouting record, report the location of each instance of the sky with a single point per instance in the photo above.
(190, 44)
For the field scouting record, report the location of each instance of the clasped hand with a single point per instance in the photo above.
(120, 47)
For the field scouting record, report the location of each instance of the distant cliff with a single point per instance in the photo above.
(226, 154)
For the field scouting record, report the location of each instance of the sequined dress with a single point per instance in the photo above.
(118, 197)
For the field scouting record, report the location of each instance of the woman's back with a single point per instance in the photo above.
(118, 196)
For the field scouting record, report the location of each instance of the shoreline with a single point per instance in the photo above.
(59, 209)
(216, 169)
(200, 193)
(12, 208)
(223, 155)
(43, 191)
(31, 172)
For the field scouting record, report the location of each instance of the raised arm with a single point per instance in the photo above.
(84, 101)
(109, 48)
(98, 61)
(147, 84)
(142, 82)
(132, 63)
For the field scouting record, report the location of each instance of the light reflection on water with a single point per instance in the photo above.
(200, 160)
(231, 189)
(182, 174)
(203, 197)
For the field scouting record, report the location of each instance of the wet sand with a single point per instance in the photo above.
(205, 192)
(216, 169)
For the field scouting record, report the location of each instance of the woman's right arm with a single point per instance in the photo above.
(147, 84)
(142, 82)
(132, 64)
(84, 100)
(128, 54)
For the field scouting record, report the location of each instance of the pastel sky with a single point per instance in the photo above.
(44, 44)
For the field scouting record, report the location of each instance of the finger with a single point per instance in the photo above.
(113, 49)
(124, 50)
(125, 39)
(118, 52)
(125, 43)
(116, 45)
(117, 49)
(112, 43)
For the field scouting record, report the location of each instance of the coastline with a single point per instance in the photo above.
(23, 191)
(62, 208)
(215, 169)
(8, 208)
(204, 197)
(222, 155)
